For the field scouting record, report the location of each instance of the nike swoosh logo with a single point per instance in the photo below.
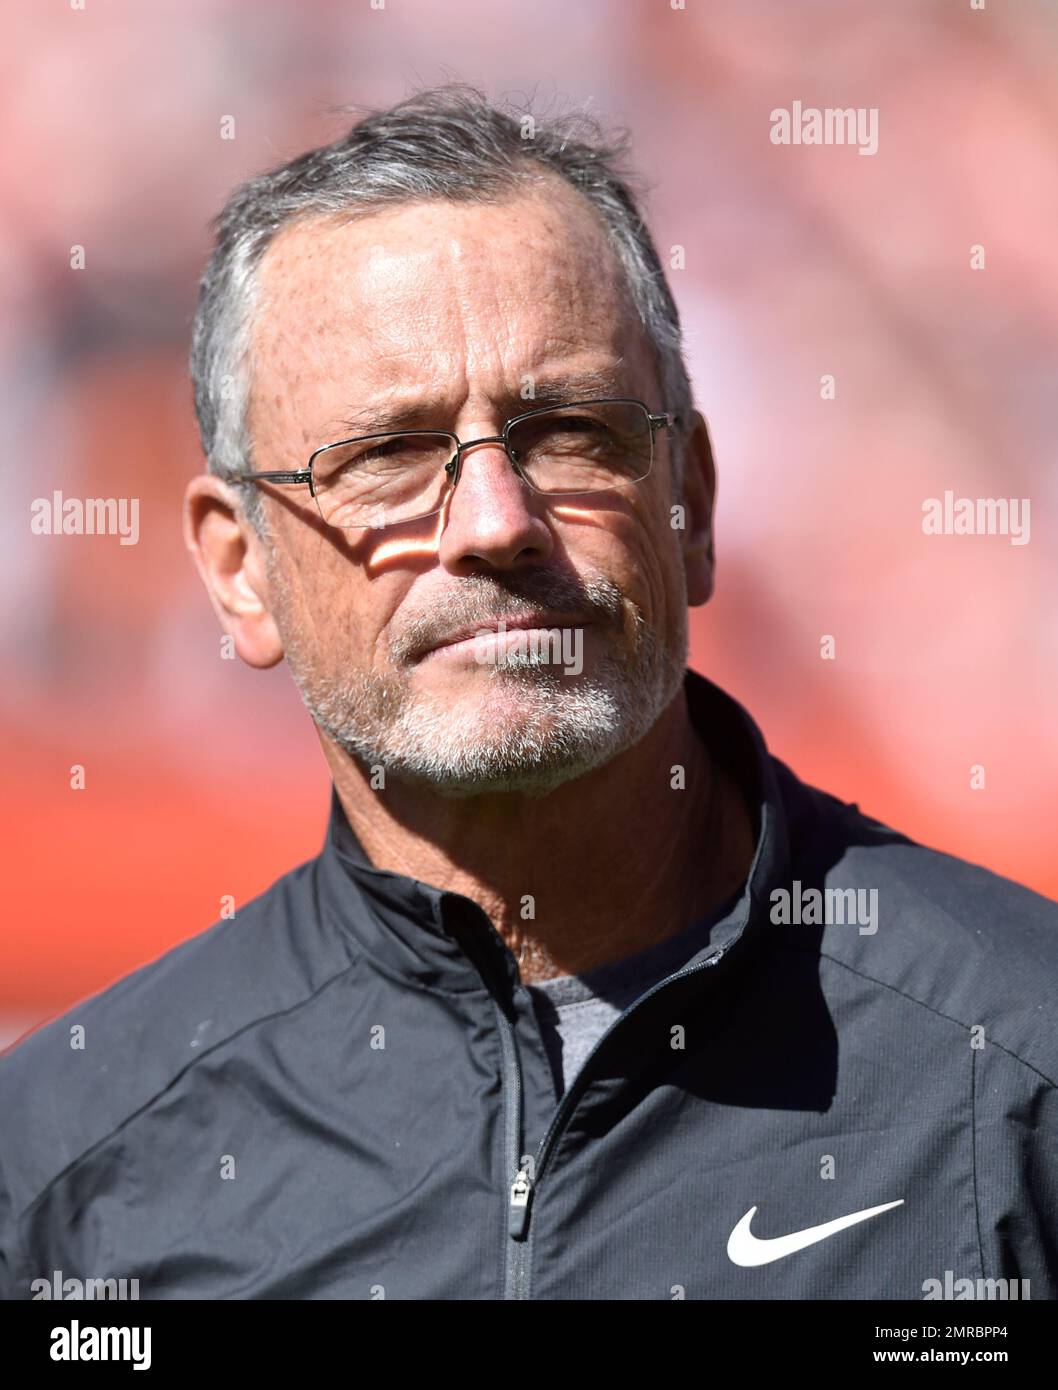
(744, 1248)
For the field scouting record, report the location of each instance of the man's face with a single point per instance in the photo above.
(455, 314)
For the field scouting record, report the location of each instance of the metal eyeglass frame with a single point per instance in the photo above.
(656, 421)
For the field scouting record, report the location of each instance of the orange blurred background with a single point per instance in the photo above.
(203, 778)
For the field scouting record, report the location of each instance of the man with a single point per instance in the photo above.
(586, 996)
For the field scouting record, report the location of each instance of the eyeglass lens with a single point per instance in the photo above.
(579, 448)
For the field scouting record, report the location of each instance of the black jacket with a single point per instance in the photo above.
(329, 1095)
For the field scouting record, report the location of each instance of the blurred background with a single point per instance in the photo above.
(203, 778)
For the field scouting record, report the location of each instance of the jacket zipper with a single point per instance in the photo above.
(518, 1258)
(515, 1264)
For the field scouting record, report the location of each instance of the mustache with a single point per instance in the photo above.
(481, 600)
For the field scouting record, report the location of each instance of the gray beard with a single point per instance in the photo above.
(560, 728)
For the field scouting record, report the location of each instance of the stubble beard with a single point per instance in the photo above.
(522, 726)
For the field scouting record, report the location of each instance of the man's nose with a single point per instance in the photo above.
(493, 518)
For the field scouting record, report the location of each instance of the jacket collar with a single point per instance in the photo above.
(439, 940)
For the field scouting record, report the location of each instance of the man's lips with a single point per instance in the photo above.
(520, 622)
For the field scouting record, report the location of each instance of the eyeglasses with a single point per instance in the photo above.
(567, 450)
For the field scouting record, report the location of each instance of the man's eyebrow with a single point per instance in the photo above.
(573, 386)
(399, 415)
(420, 412)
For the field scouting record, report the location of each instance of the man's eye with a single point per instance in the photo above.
(567, 428)
(385, 448)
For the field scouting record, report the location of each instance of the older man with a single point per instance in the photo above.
(586, 996)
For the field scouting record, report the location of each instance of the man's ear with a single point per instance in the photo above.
(698, 500)
(229, 556)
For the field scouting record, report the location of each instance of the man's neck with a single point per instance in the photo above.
(604, 866)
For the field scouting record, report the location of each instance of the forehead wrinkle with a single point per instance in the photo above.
(555, 260)
(412, 410)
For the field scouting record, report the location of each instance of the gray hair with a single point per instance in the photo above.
(447, 143)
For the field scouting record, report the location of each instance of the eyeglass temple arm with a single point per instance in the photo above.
(303, 475)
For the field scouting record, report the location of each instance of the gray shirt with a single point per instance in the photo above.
(574, 1011)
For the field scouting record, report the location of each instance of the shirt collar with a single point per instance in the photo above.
(436, 939)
